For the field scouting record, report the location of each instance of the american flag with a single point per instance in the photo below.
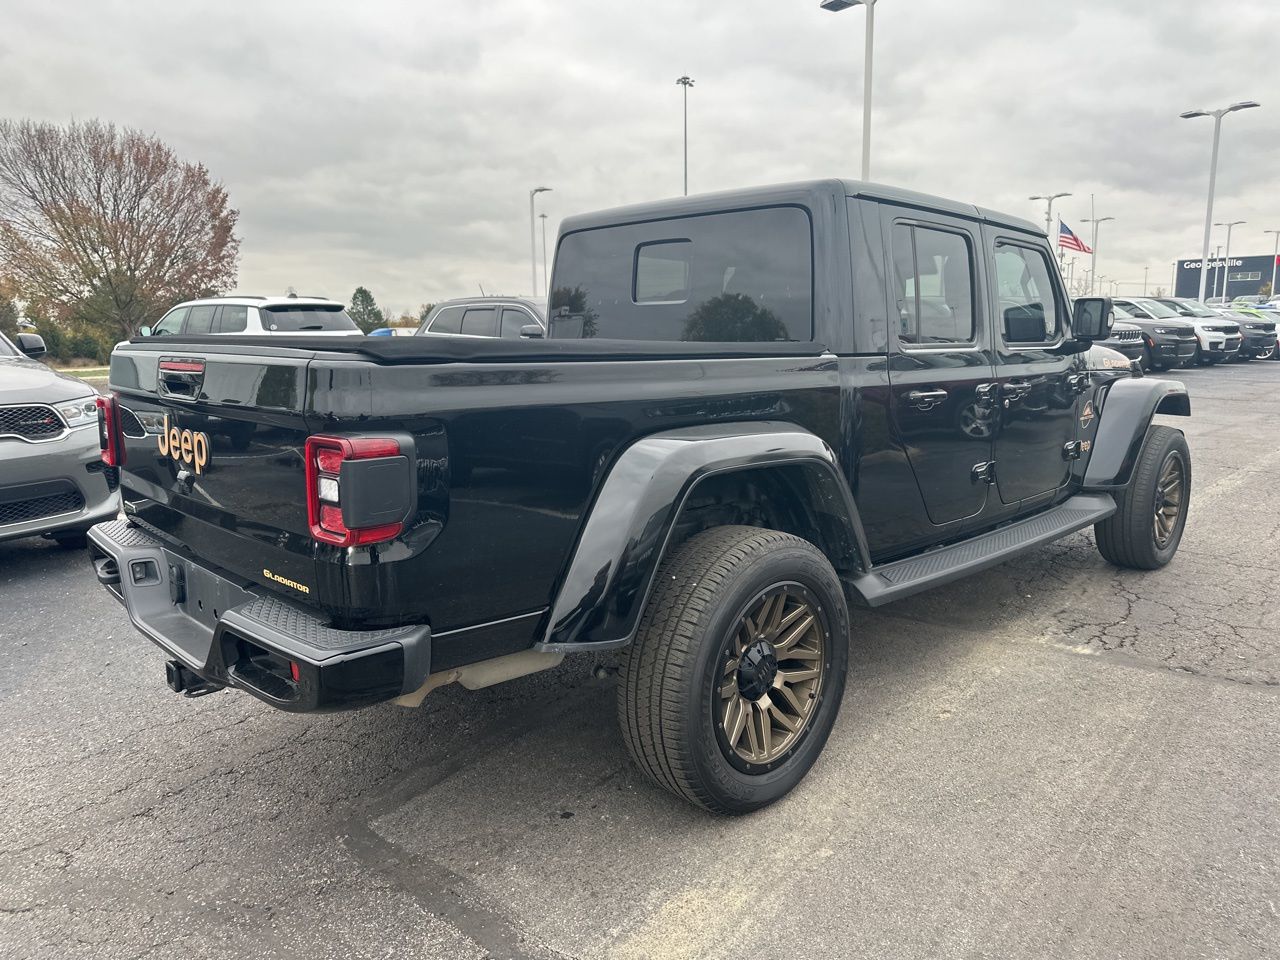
(1069, 240)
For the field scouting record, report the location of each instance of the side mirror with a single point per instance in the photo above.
(1092, 318)
(531, 331)
(144, 330)
(31, 344)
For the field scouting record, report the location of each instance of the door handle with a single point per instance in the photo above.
(926, 399)
(1015, 389)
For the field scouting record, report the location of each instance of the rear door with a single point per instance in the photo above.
(939, 364)
(1037, 381)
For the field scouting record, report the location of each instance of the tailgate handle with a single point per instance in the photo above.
(181, 378)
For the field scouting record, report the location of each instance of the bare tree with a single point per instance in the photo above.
(108, 226)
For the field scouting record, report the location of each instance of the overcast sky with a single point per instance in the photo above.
(393, 145)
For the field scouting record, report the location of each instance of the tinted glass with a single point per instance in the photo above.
(933, 284)
(662, 272)
(232, 319)
(7, 349)
(1155, 309)
(448, 320)
(480, 322)
(172, 323)
(726, 277)
(513, 318)
(200, 319)
(290, 319)
(1027, 302)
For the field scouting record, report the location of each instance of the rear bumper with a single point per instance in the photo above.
(230, 634)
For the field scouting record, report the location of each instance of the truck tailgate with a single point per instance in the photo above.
(214, 440)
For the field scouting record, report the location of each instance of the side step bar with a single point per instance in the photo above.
(892, 581)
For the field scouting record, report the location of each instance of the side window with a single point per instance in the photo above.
(480, 322)
(200, 319)
(513, 318)
(1028, 303)
(933, 284)
(742, 276)
(231, 319)
(171, 323)
(448, 320)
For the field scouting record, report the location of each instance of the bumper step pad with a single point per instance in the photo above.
(288, 656)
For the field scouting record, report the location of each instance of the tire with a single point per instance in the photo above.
(1197, 358)
(1266, 353)
(71, 539)
(1130, 537)
(1145, 360)
(1275, 353)
(676, 695)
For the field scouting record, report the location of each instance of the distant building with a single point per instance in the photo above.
(1243, 276)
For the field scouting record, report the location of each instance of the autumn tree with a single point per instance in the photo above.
(107, 226)
(8, 316)
(365, 310)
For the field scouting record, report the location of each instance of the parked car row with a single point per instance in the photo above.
(1165, 332)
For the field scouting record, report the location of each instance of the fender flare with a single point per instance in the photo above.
(1124, 416)
(609, 576)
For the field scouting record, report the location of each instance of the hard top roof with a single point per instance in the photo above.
(807, 192)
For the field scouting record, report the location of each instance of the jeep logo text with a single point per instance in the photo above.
(185, 446)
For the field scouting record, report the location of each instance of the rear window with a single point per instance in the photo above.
(288, 319)
(741, 277)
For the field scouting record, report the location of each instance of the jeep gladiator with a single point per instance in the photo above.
(751, 412)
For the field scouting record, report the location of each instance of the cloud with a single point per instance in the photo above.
(393, 145)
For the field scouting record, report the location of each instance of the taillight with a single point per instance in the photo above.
(325, 458)
(110, 440)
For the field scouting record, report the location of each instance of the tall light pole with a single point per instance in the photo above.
(1144, 280)
(1275, 258)
(1213, 174)
(543, 218)
(835, 6)
(1226, 265)
(1217, 269)
(686, 82)
(533, 243)
(1093, 262)
(1048, 210)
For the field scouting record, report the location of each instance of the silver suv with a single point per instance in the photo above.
(507, 317)
(53, 481)
(256, 316)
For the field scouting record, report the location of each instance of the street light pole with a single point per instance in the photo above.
(835, 6)
(1275, 259)
(1093, 263)
(1144, 280)
(686, 82)
(533, 243)
(1048, 210)
(1213, 175)
(1217, 267)
(543, 218)
(1226, 264)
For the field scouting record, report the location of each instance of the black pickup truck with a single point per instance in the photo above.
(752, 412)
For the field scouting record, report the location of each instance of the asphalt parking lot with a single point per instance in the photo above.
(1052, 759)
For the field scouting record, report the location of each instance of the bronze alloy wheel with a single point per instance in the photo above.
(1168, 501)
(774, 660)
